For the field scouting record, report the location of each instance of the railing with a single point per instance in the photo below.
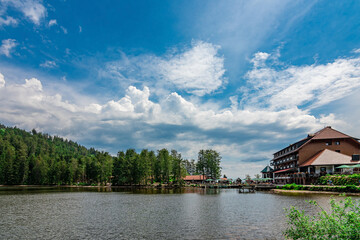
(272, 163)
(282, 177)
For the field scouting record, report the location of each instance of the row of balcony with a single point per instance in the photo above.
(277, 162)
(285, 151)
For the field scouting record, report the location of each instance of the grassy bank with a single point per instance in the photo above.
(321, 188)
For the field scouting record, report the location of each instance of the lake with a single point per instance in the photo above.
(98, 213)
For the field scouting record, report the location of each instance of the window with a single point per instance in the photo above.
(328, 143)
(337, 143)
(337, 151)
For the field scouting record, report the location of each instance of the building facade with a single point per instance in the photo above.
(267, 172)
(305, 160)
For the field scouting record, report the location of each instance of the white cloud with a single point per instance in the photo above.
(34, 84)
(2, 81)
(80, 29)
(7, 46)
(136, 121)
(8, 21)
(187, 124)
(34, 10)
(48, 64)
(52, 22)
(64, 29)
(308, 86)
(259, 59)
(198, 70)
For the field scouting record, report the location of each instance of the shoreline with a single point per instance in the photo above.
(279, 191)
(97, 186)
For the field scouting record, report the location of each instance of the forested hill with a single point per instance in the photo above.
(36, 158)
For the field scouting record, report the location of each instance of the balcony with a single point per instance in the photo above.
(284, 162)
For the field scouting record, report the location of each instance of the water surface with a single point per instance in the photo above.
(78, 213)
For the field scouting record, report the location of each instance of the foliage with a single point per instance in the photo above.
(347, 188)
(190, 166)
(36, 158)
(353, 179)
(209, 163)
(342, 222)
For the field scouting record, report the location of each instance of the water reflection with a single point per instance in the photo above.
(134, 190)
(103, 213)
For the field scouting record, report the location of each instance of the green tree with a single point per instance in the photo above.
(190, 166)
(153, 165)
(209, 163)
(119, 169)
(145, 166)
(133, 166)
(165, 163)
(73, 171)
(177, 166)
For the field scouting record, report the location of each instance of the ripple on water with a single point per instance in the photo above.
(124, 214)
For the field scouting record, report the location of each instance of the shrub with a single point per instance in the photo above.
(340, 179)
(342, 222)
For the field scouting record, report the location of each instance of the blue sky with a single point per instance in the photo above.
(243, 77)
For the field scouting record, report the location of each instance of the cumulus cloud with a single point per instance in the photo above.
(7, 46)
(177, 121)
(308, 86)
(197, 70)
(136, 121)
(8, 21)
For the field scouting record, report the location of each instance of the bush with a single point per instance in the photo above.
(342, 222)
(347, 188)
(340, 179)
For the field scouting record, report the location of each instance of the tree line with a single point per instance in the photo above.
(37, 158)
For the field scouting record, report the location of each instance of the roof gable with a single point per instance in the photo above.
(328, 157)
(329, 133)
(267, 169)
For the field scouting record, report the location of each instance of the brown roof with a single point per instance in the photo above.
(328, 157)
(329, 133)
(284, 170)
(195, 178)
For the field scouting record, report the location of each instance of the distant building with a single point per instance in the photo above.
(195, 179)
(267, 172)
(318, 154)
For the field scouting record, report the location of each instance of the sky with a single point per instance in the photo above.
(245, 78)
